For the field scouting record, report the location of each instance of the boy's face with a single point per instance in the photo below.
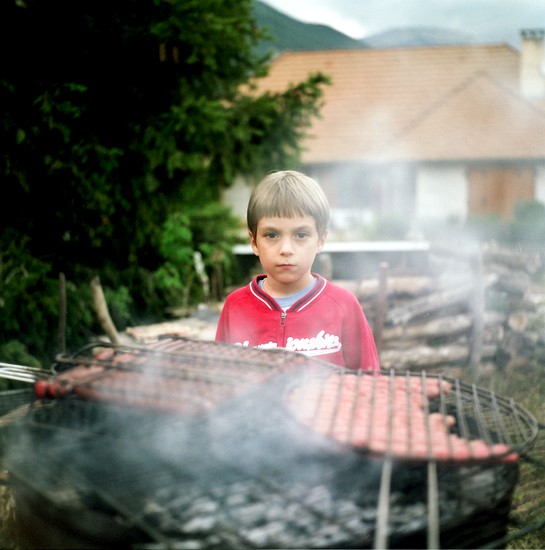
(286, 248)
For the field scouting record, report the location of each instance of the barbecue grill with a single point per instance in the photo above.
(193, 444)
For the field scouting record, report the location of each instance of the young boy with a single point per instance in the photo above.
(289, 306)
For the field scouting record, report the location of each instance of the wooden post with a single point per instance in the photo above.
(325, 265)
(103, 314)
(382, 305)
(203, 276)
(62, 313)
(477, 310)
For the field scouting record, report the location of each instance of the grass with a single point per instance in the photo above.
(527, 388)
(7, 515)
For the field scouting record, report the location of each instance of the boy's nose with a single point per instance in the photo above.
(286, 247)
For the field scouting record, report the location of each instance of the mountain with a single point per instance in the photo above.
(289, 34)
(418, 36)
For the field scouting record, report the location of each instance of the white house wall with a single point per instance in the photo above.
(237, 197)
(540, 183)
(441, 194)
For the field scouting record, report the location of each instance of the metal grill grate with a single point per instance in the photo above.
(415, 416)
(265, 450)
(175, 374)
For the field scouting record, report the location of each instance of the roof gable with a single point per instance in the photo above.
(478, 119)
(406, 102)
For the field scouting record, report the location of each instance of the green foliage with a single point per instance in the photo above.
(113, 117)
(215, 231)
(16, 353)
(289, 34)
(528, 225)
(142, 114)
(119, 303)
(393, 228)
(27, 298)
(487, 228)
(175, 275)
(211, 230)
(30, 308)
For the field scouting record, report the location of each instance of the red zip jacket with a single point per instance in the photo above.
(327, 323)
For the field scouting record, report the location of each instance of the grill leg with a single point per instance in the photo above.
(433, 506)
(381, 531)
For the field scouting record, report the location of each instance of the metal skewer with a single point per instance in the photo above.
(22, 373)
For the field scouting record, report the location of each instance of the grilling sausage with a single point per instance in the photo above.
(388, 415)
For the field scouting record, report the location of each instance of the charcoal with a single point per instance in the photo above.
(301, 519)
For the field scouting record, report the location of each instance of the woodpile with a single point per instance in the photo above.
(474, 312)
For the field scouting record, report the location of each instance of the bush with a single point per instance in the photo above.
(528, 225)
(16, 353)
(28, 300)
(208, 233)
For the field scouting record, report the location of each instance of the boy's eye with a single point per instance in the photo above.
(301, 235)
(271, 234)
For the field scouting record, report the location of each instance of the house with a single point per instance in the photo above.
(426, 134)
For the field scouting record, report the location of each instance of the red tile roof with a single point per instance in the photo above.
(424, 103)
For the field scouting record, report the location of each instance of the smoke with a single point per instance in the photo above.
(226, 471)
(234, 465)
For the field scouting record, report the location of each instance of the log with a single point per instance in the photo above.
(397, 286)
(103, 314)
(435, 302)
(429, 304)
(424, 357)
(518, 321)
(513, 281)
(512, 259)
(444, 326)
(448, 326)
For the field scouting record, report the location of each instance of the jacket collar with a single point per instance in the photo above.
(271, 303)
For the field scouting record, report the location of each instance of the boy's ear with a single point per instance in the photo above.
(322, 241)
(253, 243)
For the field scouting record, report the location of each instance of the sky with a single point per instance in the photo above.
(489, 21)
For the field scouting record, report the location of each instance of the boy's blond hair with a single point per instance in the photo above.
(287, 194)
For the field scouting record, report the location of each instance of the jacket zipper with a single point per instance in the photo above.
(283, 316)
